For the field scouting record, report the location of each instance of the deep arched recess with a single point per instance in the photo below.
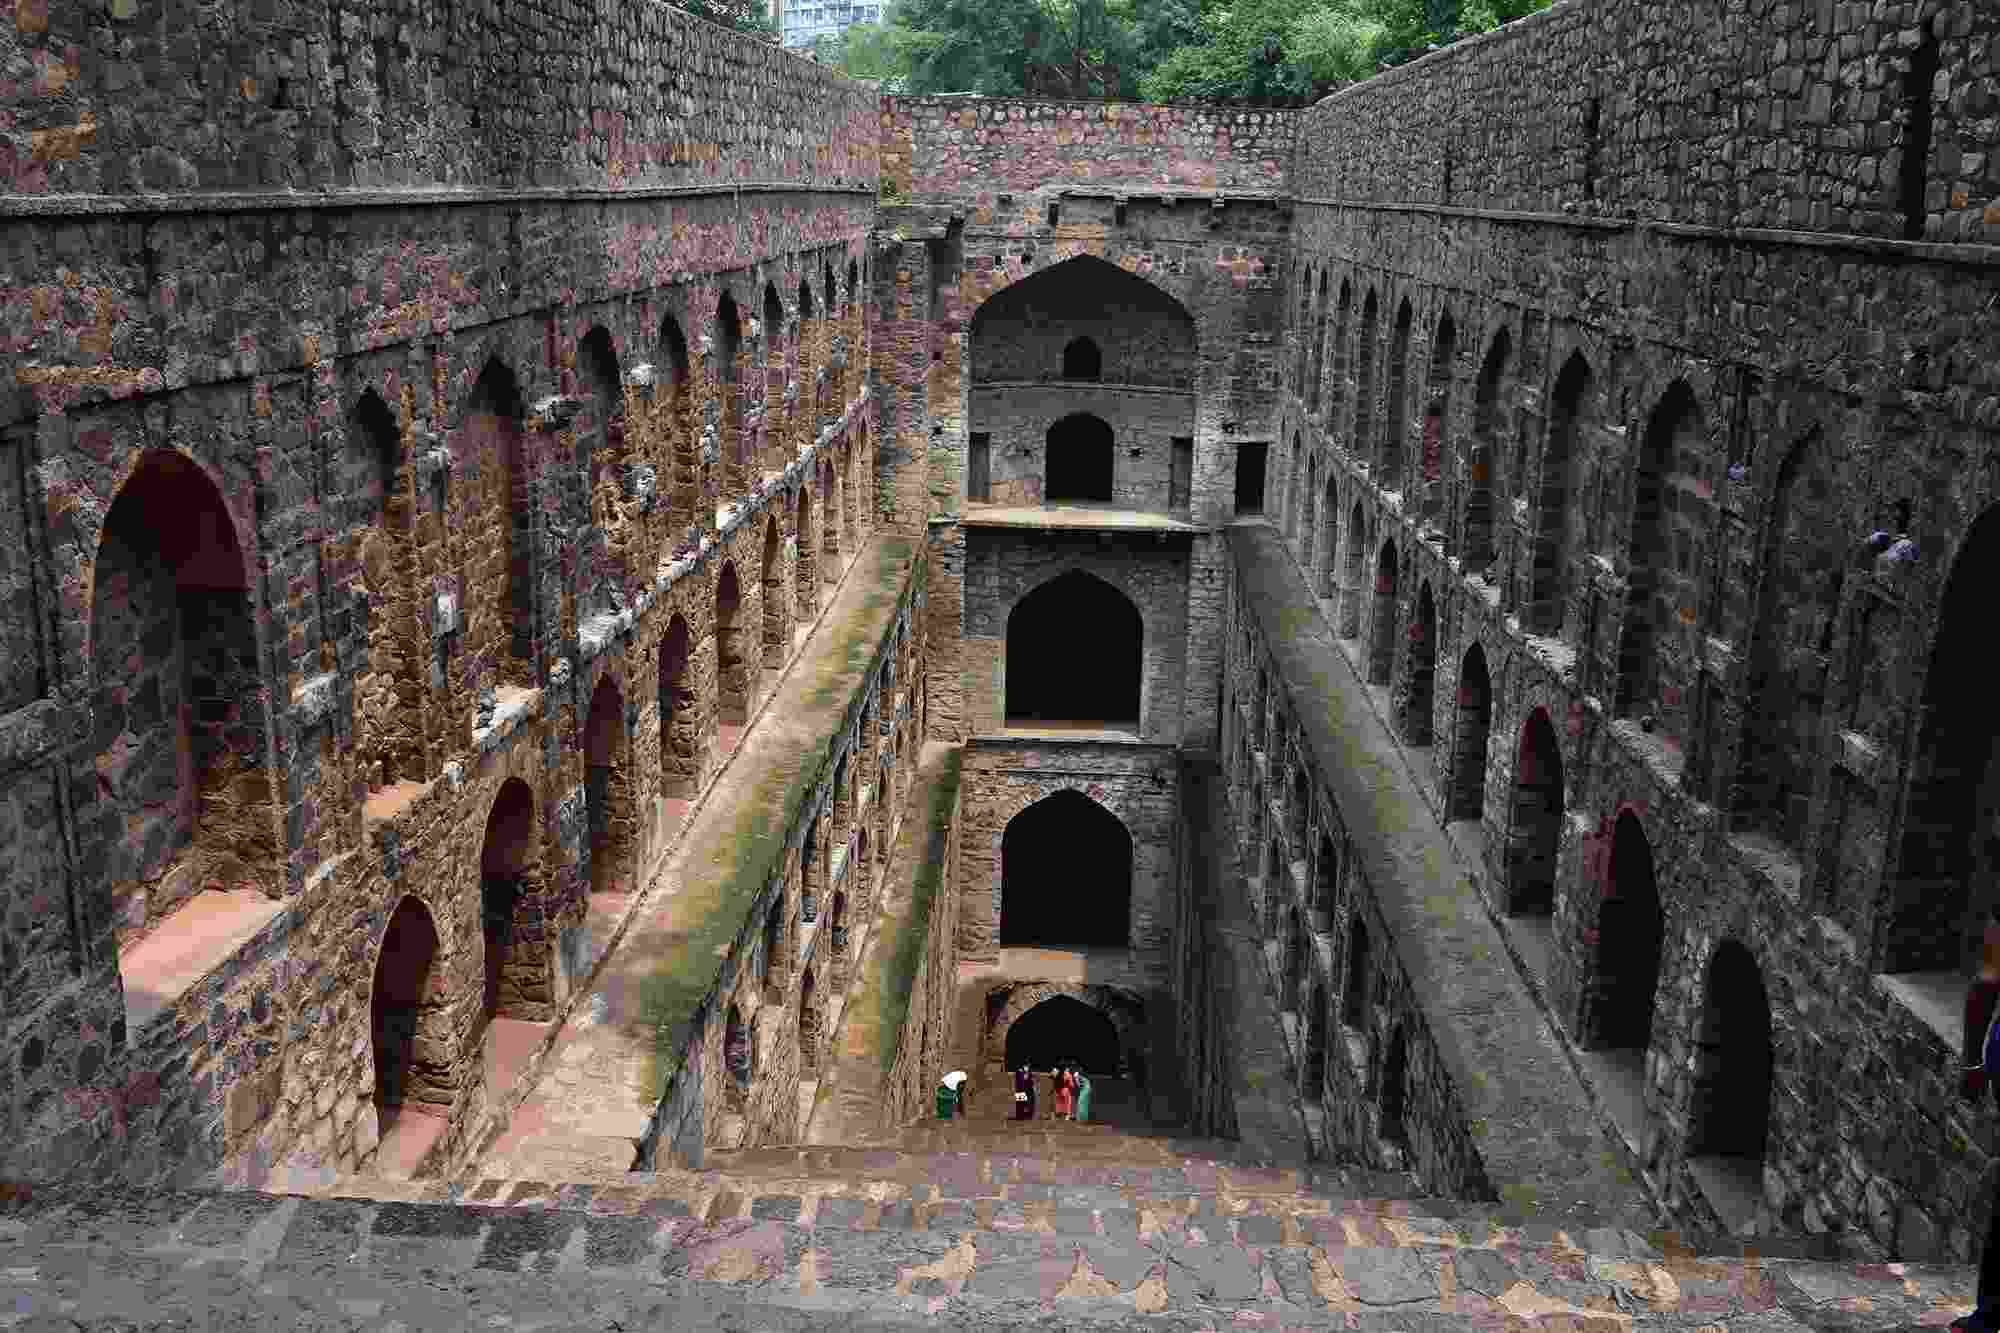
(1065, 876)
(1073, 654)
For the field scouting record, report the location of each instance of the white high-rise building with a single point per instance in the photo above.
(804, 21)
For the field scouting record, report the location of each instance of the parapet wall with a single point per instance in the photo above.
(354, 94)
(935, 147)
(1789, 117)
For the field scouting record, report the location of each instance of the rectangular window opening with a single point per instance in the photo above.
(1180, 486)
(979, 468)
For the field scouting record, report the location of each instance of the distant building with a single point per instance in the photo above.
(805, 21)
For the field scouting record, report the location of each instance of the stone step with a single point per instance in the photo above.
(613, 1257)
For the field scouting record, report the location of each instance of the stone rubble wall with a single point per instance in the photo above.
(927, 1037)
(933, 148)
(1782, 116)
(143, 99)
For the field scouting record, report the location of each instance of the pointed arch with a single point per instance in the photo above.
(378, 520)
(409, 1019)
(1080, 461)
(681, 721)
(1419, 710)
(777, 629)
(1382, 620)
(1730, 1112)
(1792, 639)
(1302, 336)
(1475, 724)
(1357, 556)
(1082, 360)
(1395, 416)
(517, 960)
(1534, 827)
(1488, 430)
(729, 391)
(1550, 574)
(1328, 560)
(1066, 876)
(680, 458)
(1650, 580)
(1625, 975)
(1312, 1074)
(806, 577)
(1947, 878)
(732, 670)
(1437, 459)
(184, 788)
(608, 789)
(1356, 993)
(1319, 349)
(1042, 683)
(1336, 388)
(1364, 393)
(1307, 531)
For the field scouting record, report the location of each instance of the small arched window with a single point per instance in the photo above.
(1082, 360)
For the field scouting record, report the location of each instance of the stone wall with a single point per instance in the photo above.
(933, 148)
(926, 1037)
(730, 1073)
(1144, 424)
(1135, 782)
(484, 423)
(1669, 360)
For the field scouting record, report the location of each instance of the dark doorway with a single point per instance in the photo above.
(511, 973)
(732, 674)
(1731, 1114)
(1619, 1013)
(1382, 621)
(1475, 721)
(1313, 1076)
(680, 721)
(1419, 708)
(1065, 876)
(1073, 655)
(1395, 1090)
(402, 981)
(1079, 460)
(1536, 826)
(607, 798)
(1250, 459)
(1062, 1030)
(1082, 360)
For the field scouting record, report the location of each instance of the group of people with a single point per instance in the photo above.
(1071, 1096)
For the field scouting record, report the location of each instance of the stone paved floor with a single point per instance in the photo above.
(584, 1118)
(975, 1241)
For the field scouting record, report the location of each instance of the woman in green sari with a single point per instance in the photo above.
(1082, 1093)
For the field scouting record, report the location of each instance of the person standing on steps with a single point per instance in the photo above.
(1982, 998)
(951, 1095)
(1082, 1092)
(1065, 1093)
(1024, 1093)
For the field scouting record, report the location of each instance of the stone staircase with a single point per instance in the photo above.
(981, 1223)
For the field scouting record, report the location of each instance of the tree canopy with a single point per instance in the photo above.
(1254, 51)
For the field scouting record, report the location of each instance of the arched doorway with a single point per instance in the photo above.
(607, 789)
(806, 578)
(1395, 1090)
(732, 672)
(1065, 876)
(777, 639)
(1730, 1115)
(680, 718)
(1355, 996)
(604, 383)
(1618, 1002)
(1382, 623)
(1418, 710)
(1312, 1078)
(1329, 559)
(407, 999)
(1044, 682)
(1309, 488)
(1475, 724)
(1948, 876)
(517, 961)
(1535, 829)
(1062, 1030)
(1079, 461)
(1488, 428)
(1548, 578)
(1357, 556)
(808, 1022)
(174, 656)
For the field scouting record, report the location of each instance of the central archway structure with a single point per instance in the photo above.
(1124, 1012)
(1062, 1029)
(1065, 876)
(1080, 460)
(1046, 675)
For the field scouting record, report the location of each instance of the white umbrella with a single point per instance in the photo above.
(954, 1078)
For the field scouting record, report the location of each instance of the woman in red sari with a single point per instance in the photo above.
(1065, 1094)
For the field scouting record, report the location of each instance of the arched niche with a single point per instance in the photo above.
(1080, 461)
(1043, 683)
(1066, 876)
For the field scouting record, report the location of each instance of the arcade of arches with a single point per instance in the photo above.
(1364, 696)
